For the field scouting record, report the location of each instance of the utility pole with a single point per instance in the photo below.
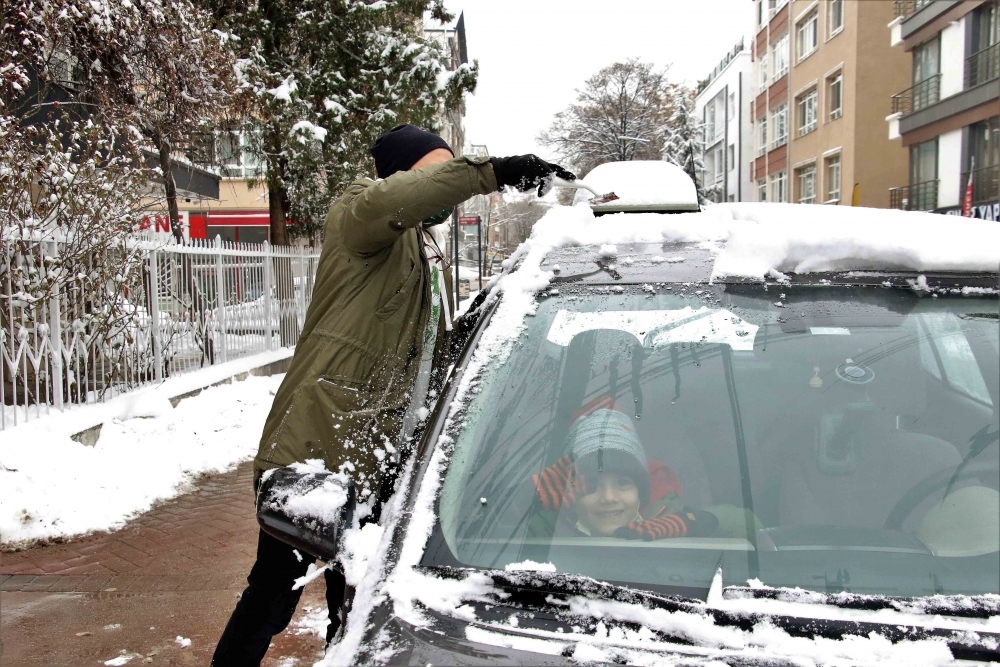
(454, 234)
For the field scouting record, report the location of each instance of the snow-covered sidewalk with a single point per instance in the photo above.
(52, 486)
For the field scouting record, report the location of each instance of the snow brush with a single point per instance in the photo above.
(598, 198)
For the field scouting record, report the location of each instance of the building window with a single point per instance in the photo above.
(985, 27)
(835, 95)
(926, 60)
(760, 13)
(922, 194)
(720, 165)
(710, 123)
(779, 119)
(762, 190)
(983, 61)
(807, 184)
(779, 57)
(807, 35)
(984, 154)
(923, 162)
(234, 155)
(762, 73)
(832, 179)
(779, 187)
(836, 16)
(732, 106)
(761, 136)
(807, 112)
(731, 162)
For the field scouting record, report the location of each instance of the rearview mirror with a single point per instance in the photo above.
(306, 508)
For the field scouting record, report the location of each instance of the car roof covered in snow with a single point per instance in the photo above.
(641, 186)
(686, 262)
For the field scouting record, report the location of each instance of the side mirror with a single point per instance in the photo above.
(308, 509)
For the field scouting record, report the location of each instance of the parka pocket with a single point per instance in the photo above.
(345, 394)
(398, 296)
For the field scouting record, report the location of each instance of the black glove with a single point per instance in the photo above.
(525, 172)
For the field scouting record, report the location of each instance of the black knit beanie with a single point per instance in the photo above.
(402, 147)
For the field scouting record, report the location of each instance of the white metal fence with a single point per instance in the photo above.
(214, 302)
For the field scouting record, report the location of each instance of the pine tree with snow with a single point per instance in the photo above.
(320, 80)
(684, 145)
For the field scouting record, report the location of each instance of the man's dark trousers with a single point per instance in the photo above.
(268, 603)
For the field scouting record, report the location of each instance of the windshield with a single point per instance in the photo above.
(831, 438)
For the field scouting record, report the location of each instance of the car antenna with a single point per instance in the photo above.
(598, 198)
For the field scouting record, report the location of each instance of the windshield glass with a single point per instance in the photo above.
(831, 438)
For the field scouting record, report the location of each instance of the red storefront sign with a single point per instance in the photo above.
(468, 219)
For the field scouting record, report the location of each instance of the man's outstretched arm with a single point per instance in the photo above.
(378, 215)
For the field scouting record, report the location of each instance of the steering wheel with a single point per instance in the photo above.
(925, 487)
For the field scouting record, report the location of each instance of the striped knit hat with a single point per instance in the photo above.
(601, 439)
(606, 441)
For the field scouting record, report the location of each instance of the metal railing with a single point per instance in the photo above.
(985, 184)
(907, 8)
(920, 96)
(982, 66)
(195, 305)
(914, 197)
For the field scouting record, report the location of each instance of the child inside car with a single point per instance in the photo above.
(604, 486)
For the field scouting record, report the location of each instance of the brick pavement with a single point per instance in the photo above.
(176, 570)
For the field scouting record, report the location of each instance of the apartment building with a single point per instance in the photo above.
(947, 118)
(821, 69)
(454, 48)
(723, 105)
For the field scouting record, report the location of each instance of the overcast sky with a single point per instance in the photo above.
(533, 54)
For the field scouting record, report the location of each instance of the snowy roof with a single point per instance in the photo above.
(641, 185)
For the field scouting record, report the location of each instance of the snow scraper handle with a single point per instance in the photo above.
(598, 198)
(315, 536)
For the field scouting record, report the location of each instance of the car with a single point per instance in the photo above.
(819, 429)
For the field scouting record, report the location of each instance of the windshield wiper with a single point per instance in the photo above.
(957, 606)
(543, 596)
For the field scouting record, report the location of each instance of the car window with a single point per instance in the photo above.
(802, 438)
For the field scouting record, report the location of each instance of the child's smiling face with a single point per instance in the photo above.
(613, 504)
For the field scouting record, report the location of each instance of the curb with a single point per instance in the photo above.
(89, 437)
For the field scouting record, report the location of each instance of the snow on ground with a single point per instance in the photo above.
(52, 486)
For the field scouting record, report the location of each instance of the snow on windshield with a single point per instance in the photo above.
(641, 183)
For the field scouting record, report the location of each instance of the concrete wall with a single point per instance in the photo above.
(953, 58)
(882, 71)
(950, 169)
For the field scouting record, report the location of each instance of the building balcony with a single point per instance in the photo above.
(907, 8)
(915, 197)
(920, 96)
(982, 66)
(985, 184)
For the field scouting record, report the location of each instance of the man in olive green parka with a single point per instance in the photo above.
(352, 376)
